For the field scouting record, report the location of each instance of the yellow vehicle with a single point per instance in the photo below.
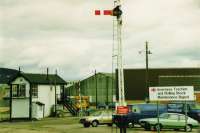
(82, 102)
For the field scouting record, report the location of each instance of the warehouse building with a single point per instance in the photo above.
(135, 80)
(135, 83)
(100, 88)
(190, 80)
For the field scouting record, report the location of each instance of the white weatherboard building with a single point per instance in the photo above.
(33, 96)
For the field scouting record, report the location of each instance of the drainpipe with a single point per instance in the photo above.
(30, 102)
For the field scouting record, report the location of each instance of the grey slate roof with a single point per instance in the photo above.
(6, 75)
(41, 78)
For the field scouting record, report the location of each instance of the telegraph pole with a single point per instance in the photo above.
(147, 52)
(95, 75)
(147, 70)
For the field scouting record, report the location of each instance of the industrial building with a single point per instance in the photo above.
(135, 80)
(100, 88)
(135, 83)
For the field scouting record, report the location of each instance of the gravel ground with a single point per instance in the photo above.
(67, 125)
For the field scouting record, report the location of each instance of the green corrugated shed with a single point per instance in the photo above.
(105, 88)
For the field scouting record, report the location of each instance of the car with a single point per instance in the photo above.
(111, 105)
(98, 118)
(193, 109)
(169, 121)
(101, 106)
(141, 111)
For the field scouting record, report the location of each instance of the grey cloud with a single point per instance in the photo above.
(65, 34)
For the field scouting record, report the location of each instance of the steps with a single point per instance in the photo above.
(70, 107)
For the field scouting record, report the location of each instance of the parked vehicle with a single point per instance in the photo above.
(101, 106)
(169, 121)
(111, 105)
(141, 111)
(193, 109)
(98, 118)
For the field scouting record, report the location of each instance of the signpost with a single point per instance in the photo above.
(172, 93)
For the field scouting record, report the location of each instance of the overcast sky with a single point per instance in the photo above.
(65, 35)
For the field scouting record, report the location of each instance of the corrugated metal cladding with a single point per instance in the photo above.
(193, 80)
(135, 80)
(190, 80)
(105, 88)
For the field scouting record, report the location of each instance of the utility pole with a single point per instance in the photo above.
(147, 70)
(147, 51)
(80, 100)
(95, 75)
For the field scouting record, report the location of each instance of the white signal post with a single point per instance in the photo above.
(117, 12)
(120, 59)
(122, 109)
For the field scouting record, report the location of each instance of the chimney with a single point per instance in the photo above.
(47, 73)
(56, 72)
(19, 69)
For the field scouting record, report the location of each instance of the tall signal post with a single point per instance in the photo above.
(122, 109)
(117, 13)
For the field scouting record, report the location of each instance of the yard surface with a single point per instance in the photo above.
(66, 125)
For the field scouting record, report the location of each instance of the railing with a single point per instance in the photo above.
(70, 106)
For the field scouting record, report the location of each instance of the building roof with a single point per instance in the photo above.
(110, 75)
(106, 74)
(41, 78)
(6, 75)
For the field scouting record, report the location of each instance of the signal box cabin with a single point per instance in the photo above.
(34, 96)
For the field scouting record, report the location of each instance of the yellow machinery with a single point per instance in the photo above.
(81, 102)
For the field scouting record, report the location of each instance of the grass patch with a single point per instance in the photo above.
(4, 113)
(4, 116)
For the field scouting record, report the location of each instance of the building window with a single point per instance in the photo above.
(14, 90)
(35, 90)
(19, 90)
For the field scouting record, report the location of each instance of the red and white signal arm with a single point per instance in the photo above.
(122, 110)
(104, 12)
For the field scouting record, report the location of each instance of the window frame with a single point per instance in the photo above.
(19, 91)
(34, 90)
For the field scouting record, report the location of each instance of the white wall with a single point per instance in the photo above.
(37, 111)
(46, 95)
(20, 108)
